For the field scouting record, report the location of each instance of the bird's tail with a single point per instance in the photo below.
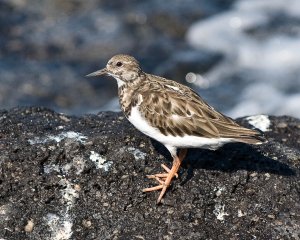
(253, 139)
(244, 135)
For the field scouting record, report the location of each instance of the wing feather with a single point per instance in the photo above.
(179, 111)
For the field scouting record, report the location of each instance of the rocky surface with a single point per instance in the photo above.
(64, 177)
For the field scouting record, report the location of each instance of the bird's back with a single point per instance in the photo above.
(177, 110)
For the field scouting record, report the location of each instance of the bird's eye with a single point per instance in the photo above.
(119, 64)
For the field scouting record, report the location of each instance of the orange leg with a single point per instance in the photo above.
(167, 177)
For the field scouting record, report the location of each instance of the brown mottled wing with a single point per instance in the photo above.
(178, 111)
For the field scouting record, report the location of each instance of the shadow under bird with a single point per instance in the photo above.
(172, 114)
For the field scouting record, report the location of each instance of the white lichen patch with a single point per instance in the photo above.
(78, 163)
(138, 154)
(220, 212)
(262, 122)
(69, 193)
(51, 168)
(61, 229)
(5, 212)
(99, 161)
(61, 225)
(58, 138)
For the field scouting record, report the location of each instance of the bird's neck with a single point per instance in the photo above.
(128, 94)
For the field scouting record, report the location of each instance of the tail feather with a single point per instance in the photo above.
(255, 139)
(246, 135)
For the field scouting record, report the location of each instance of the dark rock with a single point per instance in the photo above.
(66, 177)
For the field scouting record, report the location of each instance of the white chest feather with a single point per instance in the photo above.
(172, 142)
(120, 82)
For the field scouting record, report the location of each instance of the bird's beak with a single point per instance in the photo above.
(98, 73)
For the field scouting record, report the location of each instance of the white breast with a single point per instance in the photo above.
(120, 82)
(172, 142)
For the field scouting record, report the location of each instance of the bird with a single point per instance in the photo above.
(172, 114)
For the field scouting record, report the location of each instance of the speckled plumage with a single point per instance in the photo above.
(170, 112)
(179, 112)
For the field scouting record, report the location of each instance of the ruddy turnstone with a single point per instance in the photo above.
(172, 114)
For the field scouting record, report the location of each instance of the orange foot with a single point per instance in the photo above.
(164, 179)
(160, 177)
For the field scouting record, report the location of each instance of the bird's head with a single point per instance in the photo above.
(123, 68)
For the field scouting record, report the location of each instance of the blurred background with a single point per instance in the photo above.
(243, 56)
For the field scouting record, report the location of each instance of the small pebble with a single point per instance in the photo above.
(240, 213)
(64, 118)
(278, 223)
(218, 193)
(86, 223)
(282, 125)
(77, 187)
(267, 175)
(255, 219)
(253, 174)
(29, 226)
